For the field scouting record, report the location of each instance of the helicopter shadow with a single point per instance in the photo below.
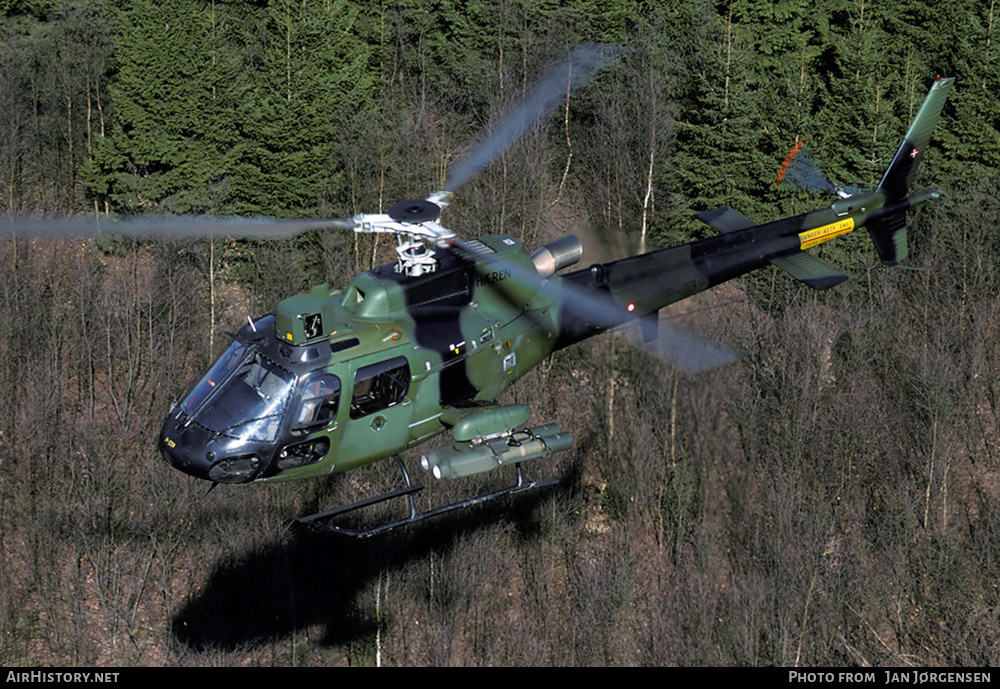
(314, 578)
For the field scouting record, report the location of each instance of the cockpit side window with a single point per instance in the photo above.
(318, 404)
(379, 386)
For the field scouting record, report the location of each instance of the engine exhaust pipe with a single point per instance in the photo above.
(557, 255)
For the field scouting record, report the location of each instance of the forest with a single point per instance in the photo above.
(828, 499)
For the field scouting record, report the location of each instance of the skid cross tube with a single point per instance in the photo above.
(320, 521)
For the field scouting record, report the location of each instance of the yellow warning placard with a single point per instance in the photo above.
(811, 238)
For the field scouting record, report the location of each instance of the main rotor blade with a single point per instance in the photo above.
(165, 226)
(689, 353)
(586, 60)
(679, 349)
(598, 310)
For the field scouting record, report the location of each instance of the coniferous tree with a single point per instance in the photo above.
(173, 143)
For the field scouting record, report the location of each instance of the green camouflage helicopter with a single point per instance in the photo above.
(333, 380)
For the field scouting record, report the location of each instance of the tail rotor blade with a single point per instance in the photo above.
(801, 171)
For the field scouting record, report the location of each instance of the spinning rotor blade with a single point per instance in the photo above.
(583, 64)
(595, 307)
(681, 350)
(688, 352)
(585, 61)
(801, 171)
(167, 226)
(600, 311)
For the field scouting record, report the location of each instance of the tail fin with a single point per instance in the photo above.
(888, 230)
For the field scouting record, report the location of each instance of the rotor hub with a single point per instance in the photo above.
(414, 211)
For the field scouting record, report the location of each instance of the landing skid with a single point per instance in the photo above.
(322, 520)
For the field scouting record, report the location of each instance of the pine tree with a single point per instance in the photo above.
(311, 78)
(173, 142)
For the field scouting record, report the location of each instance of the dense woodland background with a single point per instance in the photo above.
(832, 498)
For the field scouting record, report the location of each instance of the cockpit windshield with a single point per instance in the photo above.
(243, 396)
(229, 360)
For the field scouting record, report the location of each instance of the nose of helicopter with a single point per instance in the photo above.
(197, 452)
(184, 449)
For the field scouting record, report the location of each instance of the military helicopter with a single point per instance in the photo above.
(337, 379)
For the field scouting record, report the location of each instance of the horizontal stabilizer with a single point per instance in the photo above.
(725, 219)
(809, 269)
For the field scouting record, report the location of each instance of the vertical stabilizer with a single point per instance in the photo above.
(897, 179)
(888, 230)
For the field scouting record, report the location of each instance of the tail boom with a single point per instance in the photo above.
(637, 287)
